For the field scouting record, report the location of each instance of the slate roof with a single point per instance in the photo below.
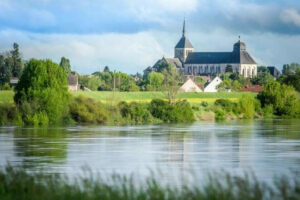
(242, 57)
(174, 61)
(184, 43)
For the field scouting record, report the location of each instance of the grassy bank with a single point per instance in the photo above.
(16, 183)
(7, 96)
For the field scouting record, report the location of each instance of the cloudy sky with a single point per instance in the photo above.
(129, 35)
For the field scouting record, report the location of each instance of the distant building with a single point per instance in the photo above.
(190, 86)
(73, 82)
(211, 63)
(274, 71)
(213, 85)
(14, 81)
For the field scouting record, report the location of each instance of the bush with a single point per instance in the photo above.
(246, 106)
(85, 110)
(225, 104)
(268, 111)
(9, 114)
(283, 98)
(43, 86)
(135, 113)
(220, 114)
(181, 111)
(6, 86)
(204, 104)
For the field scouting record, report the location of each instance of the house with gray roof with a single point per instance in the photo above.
(211, 63)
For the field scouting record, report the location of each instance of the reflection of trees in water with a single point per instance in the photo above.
(40, 146)
(283, 128)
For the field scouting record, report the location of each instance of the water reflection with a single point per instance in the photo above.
(266, 147)
(39, 147)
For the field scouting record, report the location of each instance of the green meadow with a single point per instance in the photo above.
(107, 96)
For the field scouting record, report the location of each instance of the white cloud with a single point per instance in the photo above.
(124, 52)
(291, 16)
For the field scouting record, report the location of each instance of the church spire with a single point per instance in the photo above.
(183, 30)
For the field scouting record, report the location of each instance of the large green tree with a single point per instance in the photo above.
(155, 81)
(289, 69)
(281, 97)
(42, 93)
(16, 65)
(65, 64)
(292, 79)
(263, 76)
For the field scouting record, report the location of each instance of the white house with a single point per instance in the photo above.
(213, 85)
(190, 86)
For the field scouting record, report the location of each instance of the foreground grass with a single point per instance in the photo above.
(16, 183)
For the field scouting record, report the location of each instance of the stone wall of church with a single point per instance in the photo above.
(210, 69)
(182, 53)
(206, 69)
(248, 70)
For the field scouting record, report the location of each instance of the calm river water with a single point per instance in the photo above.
(266, 147)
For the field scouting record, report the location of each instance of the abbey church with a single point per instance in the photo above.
(211, 63)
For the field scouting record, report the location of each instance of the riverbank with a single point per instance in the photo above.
(136, 108)
(16, 183)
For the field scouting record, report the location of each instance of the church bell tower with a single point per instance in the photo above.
(183, 47)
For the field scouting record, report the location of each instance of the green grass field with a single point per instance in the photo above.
(7, 96)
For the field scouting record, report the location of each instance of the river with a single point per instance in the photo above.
(267, 148)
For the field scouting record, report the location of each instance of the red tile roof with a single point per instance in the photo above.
(253, 88)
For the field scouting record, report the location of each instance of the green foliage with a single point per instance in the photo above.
(43, 88)
(135, 113)
(86, 110)
(226, 104)
(65, 65)
(179, 112)
(232, 81)
(220, 114)
(283, 98)
(268, 111)
(263, 76)
(11, 65)
(246, 106)
(199, 80)
(171, 81)
(18, 183)
(292, 79)
(9, 114)
(6, 86)
(116, 80)
(90, 81)
(204, 104)
(161, 67)
(154, 81)
(289, 69)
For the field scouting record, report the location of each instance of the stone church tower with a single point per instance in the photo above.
(183, 47)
